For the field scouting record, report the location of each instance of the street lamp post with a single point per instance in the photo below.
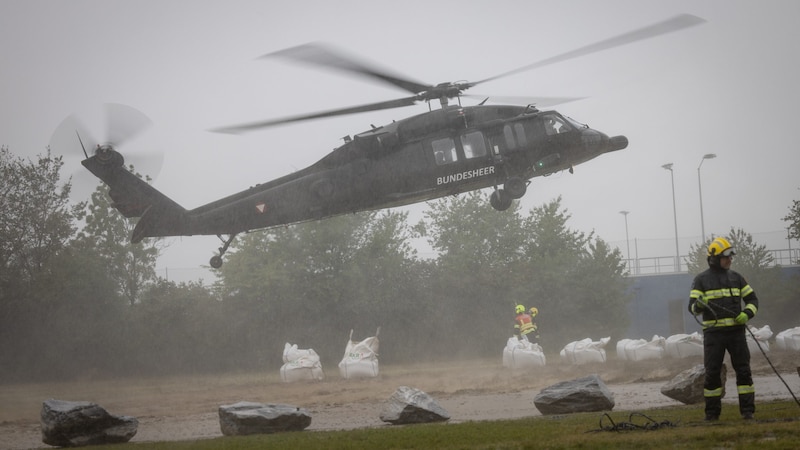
(627, 241)
(700, 190)
(675, 217)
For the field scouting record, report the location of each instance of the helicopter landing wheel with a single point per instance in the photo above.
(501, 200)
(216, 261)
(516, 187)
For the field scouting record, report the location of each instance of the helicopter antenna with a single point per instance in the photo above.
(82, 146)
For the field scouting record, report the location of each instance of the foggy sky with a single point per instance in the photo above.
(727, 87)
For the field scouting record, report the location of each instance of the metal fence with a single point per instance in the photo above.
(668, 264)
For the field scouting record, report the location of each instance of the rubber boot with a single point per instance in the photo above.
(713, 408)
(747, 405)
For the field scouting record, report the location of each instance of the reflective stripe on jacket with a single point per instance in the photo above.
(523, 324)
(723, 291)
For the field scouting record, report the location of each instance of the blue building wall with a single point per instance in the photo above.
(659, 305)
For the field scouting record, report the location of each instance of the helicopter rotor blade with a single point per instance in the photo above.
(119, 126)
(676, 23)
(324, 55)
(124, 123)
(524, 100)
(72, 141)
(235, 129)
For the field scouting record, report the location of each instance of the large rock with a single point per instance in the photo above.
(408, 405)
(260, 418)
(587, 394)
(76, 424)
(687, 386)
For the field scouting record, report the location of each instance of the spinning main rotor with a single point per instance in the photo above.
(321, 55)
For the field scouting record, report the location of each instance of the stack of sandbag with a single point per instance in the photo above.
(299, 365)
(640, 349)
(761, 335)
(584, 351)
(522, 354)
(360, 358)
(788, 339)
(684, 345)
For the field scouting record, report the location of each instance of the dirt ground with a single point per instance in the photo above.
(185, 408)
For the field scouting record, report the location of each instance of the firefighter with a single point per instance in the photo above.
(718, 294)
(523, 322)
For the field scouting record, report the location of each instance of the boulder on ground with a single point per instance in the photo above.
(76, 424)
(244, 418)
(408, 405)
(587, 394)
(687, 386)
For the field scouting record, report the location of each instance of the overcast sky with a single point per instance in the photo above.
(727, 87)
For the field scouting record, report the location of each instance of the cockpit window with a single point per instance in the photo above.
(576, 124)
(555, 125)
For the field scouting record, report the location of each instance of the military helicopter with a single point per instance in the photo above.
(444, 151)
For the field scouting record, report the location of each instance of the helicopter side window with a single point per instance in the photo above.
(515, 136)
(444, 151)
(508, 133)
(519, 132)
(474, 144)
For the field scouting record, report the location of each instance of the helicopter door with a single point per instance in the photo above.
(461, 160)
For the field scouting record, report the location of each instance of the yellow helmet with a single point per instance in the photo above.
(720, 247)
(534, 311)
(519, 309)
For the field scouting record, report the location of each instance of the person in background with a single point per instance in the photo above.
(523, 323)
(718, 294)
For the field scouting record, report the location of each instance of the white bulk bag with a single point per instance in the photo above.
(762, 335)
(522, 354)
(621, 344)
(584, 351)
(685, 345)
(360, 358)
(640, 349)
(300, 364)
(788, 339)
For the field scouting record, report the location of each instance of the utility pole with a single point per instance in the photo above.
(675, 217)
(700, 190)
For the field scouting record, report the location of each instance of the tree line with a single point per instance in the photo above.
(78, 299)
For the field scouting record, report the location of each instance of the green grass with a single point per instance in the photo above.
(776, 427)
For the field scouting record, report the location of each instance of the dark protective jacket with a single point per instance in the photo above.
(724, 291)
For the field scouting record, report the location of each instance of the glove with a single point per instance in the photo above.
(700, 305)
(742, 318)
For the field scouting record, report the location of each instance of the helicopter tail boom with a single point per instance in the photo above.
(134, 197)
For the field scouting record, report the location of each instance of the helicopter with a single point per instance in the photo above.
(444, 151)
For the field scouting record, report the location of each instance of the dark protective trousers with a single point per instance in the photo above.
(715, 344)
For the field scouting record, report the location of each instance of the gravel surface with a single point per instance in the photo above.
(185, 408)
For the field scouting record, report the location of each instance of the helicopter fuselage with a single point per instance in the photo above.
(442, 152)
